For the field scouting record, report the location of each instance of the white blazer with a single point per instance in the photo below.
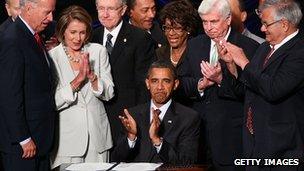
(76, 110)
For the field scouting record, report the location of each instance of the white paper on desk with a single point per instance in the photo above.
(136, 166)
(89, 166)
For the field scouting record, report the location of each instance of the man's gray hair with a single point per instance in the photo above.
(284, 9)
(23, 2)
(222, 6)
(124, 2)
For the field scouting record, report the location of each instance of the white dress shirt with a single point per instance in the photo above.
(114, 33)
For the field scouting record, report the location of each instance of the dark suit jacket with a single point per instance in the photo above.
(222, 115)
(163, 53)
(5, 24)
(131, 57)
(180, 132)
(276, 96)
(158, 36)
(27, 104)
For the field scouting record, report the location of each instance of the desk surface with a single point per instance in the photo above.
(166, 167)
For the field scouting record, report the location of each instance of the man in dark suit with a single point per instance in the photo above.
(162, 130)
(201, 76)
(142, 14)
(27, 106)
(273, 79)
(130, 52)
(13, 10)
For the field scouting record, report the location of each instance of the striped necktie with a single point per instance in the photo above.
(109, 45)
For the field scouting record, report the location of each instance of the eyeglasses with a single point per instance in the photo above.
(268, 25)
(109, 9)
(169, 28)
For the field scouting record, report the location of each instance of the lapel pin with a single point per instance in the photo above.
(169, 121)
(125, 40)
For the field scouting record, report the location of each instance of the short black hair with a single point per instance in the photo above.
(131, 4)
(161, 63)
(242, 5)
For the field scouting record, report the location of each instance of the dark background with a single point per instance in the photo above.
(252, 23)
(89, 5)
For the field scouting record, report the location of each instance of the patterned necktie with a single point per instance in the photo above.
(41, 46)
(109, 45)
(268, 56)
(157, 111)
(249, 121)
(214, 55)
(38, 40)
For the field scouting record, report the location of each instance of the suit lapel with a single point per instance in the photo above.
(145, 125)
(100, 35)
(205, 48)
(39, 55)
(168, 121)
(120, 43)
(280, 52)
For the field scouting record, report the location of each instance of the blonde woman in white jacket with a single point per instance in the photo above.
(84, 81)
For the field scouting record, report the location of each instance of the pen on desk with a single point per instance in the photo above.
(112, 167)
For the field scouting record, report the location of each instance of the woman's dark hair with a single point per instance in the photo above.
(71, 13)
(183, 13)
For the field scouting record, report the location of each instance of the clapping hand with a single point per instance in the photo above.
(212, 73)
(154, 127)
(237, 54)
(129, 123)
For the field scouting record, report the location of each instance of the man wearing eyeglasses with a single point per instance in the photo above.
(202, 80)
(130, 52)
(273, 80)
(239, 16)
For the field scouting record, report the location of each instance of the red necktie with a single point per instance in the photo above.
(157, 111)
(249, 121)
(268, 56)
(38, 40)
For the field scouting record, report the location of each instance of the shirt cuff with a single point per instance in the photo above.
(132, 143)
(201, 92)
(25, 141)
(158, 148)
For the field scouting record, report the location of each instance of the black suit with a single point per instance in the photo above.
(276, 95)
(5, 24)
(180, 132)
(163, 53)
(27, 104)
(222, 116)
(158, 36)
(130, 59)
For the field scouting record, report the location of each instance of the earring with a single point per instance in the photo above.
(188, 33)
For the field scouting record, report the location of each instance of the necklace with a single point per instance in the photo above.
(171, 59)
(71, 58)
